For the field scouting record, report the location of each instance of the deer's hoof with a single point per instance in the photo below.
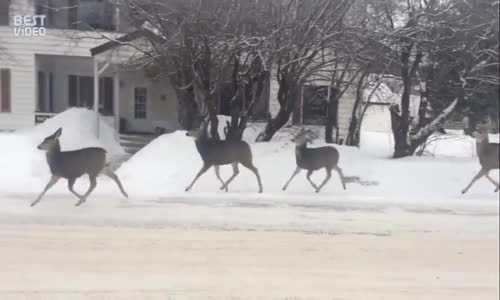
(463, 191)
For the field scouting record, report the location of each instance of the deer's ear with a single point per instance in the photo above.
(58, 133)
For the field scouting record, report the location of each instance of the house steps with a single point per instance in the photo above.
(133, 142)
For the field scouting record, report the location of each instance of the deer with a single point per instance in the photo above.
(313, 159)
(216, 153)
(488, 156)
(74, 164)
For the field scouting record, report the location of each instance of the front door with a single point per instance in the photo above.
(139, 118)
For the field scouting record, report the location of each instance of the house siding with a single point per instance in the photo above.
(346, 105)
(20, 59)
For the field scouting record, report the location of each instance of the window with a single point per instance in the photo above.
(106, 96)
(4, 12)
(45, 92)
(140, 103)
(81, 93)
(5, 105)
(315, 104)
(42, 92)
(45, 8)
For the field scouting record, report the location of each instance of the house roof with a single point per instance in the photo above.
(146, 30)
(128, 37)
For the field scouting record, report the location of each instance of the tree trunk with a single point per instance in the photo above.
(400, 133)
(425, 132)
(273, 125)
(288, 94)
(331, 120)
(187, 109)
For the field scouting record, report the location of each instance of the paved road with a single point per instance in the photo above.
(246, 252)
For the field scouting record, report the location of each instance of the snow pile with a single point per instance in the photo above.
(79, 131)
(23, 167)
(167, 165)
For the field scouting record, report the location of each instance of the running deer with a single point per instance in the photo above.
(312, 159)
(488, 156)
(217, 153)
(73, 164)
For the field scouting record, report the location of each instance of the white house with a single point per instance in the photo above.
(44, 75)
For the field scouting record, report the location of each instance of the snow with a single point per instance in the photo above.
(24, 167)
(168, 164)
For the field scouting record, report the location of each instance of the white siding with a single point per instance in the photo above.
(21, 62)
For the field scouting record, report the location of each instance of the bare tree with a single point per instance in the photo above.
(447, 48)
(302, 32)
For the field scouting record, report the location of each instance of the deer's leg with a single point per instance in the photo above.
(492, 181)
(93, 184)
(252, 168)
(203, 170)
(480, 174)
(236, 171)
(297, 171)
(308, 176)
(328, 176)
(71, 183)
(53, 180)
(108, 172)
(341, 175)
(217, 173)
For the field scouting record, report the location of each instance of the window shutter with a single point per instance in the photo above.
(51, 92)
(5, 105)
(108, 96)
(73, 90)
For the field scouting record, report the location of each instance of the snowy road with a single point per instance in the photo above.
(232, 248)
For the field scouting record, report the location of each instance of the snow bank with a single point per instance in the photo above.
(23, 167)
(79, 131)
(167, 165)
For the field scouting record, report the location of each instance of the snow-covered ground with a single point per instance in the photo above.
(382, 238)
(160, 172)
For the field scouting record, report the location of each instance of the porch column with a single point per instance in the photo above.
(116, 99)
(96, 94)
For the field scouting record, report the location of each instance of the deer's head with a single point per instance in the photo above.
(303, 137)
(481, 133)
(199, 133)
(51, 141)
(194, 133)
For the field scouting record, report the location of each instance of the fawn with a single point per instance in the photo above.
(217, 153)
(312, 159)
(488, 156)
(73, 164)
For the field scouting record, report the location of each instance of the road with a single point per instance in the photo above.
(294, 252)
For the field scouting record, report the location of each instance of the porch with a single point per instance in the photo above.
(127, 99)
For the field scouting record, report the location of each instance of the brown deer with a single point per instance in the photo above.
(217, 153)
(488, 156)
(73, 164)
(312, 159)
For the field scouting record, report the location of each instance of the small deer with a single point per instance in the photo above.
(217, 153)
(488, 156)
(312, 159)
(73, 164)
